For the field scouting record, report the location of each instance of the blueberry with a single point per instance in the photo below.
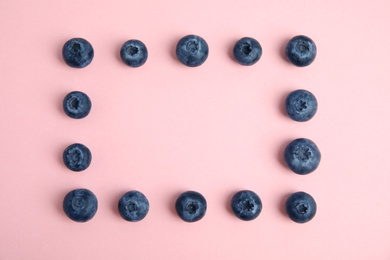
(77, 104)
(247, 51)
(80, 205)
(301, 51)
(301, 105)
(77, 53)
(302, 156)
(301, 207)
(77, 157)
(191, 206)
(134, 53)
(192, 50)
(133, 206)
(246, 205)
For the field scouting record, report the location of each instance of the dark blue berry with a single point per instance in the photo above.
(302, 156)
(301, 105)
(192, 50)
(247, 51)
(77, 157)
(134, 53)
(246, 205)
(77, 105)
(80, 205)
(191, 206)
(301, 207)
(133, 206)
(301, 51)
(77, 53)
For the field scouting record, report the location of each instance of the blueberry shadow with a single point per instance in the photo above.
(280, 154)
(230, 50)
(282, 103)
(59, 47)
(173, 48)
(118, 54)
(282, 51)
(228, 203)
(60, 156)
(60, 103)
(59, 201)
(172, 202)
(282, 203)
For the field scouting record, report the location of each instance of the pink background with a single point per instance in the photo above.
(165, 128)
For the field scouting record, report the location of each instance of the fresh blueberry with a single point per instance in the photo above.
(134, 53)
(301, 207)
(192, 50)
(247, 51)
(301, 105)
(80, 205)
(246, 205)
(191, 206)
(301, 51)
(77, 157)
(77, 105)
(77, 53)
(133, 206)
(302, 156)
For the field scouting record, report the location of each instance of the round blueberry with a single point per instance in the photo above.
(301, 207)
(301, 105)
(192, 50)
(77, 157)
(301, 51)
(80, 205)
(246, 205)
(191, 206)
(302, 156)
(133, 206)
(77, 104)
(77, 53)
(134, 53)
(247, 51)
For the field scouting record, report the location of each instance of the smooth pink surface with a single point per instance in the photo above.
(165, 128)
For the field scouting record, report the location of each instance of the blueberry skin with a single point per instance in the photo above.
(246, 205)
(247, 51)
(77, 105)
(192, 50)
(301, 51)
(302, 156)
(77, 53)
(301, 105)
(301, 207)
(191, 206)
(133, 206)
(134, 53)
(77, 157)
(80, 205)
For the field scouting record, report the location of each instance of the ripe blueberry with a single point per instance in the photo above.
(77, 157)
(301, 51)
(77, 53)
(247, 51)
(133, 206)
(301, 105)
(77, 104)
(80, 205)
(246, 205)
(302, 156)
(191, 206)
(301, 207)
(192, 50)
(134, 53)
